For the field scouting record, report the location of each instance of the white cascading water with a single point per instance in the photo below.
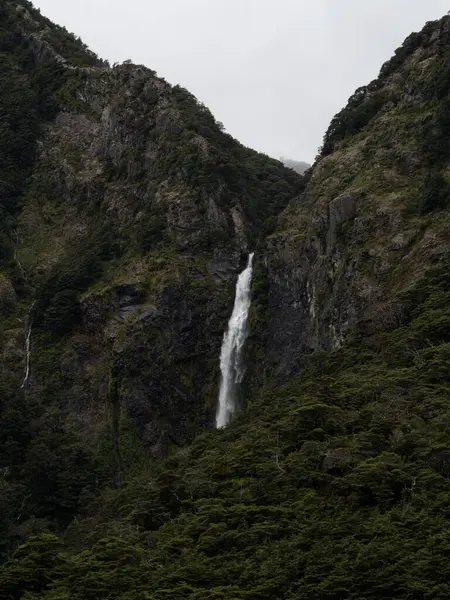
(28, 348)
(231, 356)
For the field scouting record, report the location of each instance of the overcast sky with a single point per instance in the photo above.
(273, 71)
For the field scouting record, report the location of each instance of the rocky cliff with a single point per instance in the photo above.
(133, 214)
(373, 218)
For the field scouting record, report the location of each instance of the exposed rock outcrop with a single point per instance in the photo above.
(361, 234)
(138, 213)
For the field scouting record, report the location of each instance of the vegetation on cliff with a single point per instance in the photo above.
(126, 210)
(335, 485)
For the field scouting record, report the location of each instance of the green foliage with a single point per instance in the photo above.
(64, 43)
(263, 185)
(56, 469)
(111, 568)
(367, 101)
(436, 194)
(28, 99)
(19, 122)
(409, 46)
(57, 310)
(436, 144)
(70, 47)
(30, 567)
(332, 486)
(45, 469)
(437, 85)
(361, 108)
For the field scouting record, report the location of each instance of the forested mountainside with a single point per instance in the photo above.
(127, 213)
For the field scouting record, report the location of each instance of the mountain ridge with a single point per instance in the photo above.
(299, 166)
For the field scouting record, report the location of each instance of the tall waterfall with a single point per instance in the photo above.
(231, 355)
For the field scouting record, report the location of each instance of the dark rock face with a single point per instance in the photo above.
(164, 351)
(169, 364)
(356, 238)
(309, 310)
(137, 215)
(341, 210)
(222, 269)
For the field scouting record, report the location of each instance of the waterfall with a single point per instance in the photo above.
(231, 356)
(28, 347)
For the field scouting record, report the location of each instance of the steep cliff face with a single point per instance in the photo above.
(374, 215)
(131, 219)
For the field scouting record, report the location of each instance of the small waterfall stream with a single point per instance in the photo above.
(231, 356)
(29, 321)
(16, 258)
(28, 347)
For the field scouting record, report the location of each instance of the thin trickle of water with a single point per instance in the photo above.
(16, 258)
(231, 356)
(28, 347)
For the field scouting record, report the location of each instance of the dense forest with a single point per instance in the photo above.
(333, 486)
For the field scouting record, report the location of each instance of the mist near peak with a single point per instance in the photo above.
(297, 165)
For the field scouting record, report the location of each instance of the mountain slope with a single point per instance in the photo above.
(334, 482)
(374, 216)
(127, 213)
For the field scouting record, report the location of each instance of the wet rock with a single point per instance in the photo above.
(341, 209)
(222, 269)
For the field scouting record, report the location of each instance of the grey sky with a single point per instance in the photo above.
(273, 71)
